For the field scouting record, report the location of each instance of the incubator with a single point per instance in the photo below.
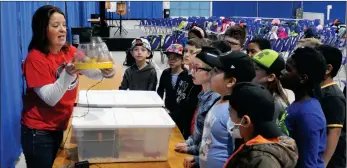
(93, 55)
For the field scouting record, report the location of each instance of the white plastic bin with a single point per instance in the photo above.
(119, 98)
(122, 134)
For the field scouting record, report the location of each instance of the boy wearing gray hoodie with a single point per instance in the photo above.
(142, 75)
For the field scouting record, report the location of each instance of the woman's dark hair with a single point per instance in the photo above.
(39, 25)
(315, 71)
(237, 33)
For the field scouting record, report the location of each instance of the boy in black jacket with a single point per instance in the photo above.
(333, 103)
(180, 92)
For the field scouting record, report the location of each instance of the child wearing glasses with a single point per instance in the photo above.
(192, 48)
(228, 68)
(207, 98)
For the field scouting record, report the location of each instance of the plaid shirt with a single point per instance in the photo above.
(206, 101)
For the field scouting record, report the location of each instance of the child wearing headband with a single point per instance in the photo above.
(196, 32)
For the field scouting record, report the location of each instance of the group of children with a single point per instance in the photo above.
(231, 108)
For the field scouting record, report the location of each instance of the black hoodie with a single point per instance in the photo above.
(180, 100)
(135, 79)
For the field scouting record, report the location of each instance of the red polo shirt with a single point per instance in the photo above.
(39, 70)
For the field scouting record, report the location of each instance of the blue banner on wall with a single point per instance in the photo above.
(231, 8)
(11, 85)
(15, 36)
(278, 9)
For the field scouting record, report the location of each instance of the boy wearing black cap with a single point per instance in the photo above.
(229, 68)
(306, 123)
(268, 67)
(142, 75)
(207, 98)
(334, 107)
(255, 124)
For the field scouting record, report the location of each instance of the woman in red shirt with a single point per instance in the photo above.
(51, 87)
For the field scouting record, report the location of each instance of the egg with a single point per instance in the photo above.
(86, 60)
(90, 53)
(102, 59)
(93, 60)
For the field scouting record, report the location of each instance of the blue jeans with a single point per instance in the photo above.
(40, 147)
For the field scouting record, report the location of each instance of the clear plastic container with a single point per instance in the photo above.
(122, 134)
(93, 55)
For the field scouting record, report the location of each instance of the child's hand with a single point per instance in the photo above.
(181, 147)
(188, 162)
(181, 144)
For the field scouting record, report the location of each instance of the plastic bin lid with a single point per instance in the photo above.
(96, 98)
(119, 98)
(111, 118)
(138, 98)
(93, 118)
(143, 118)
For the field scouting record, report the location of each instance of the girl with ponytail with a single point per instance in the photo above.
(269, 65)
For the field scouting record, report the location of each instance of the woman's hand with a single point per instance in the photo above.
(108, 73)
(188, 162)
(181, 147)
(70, 69)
